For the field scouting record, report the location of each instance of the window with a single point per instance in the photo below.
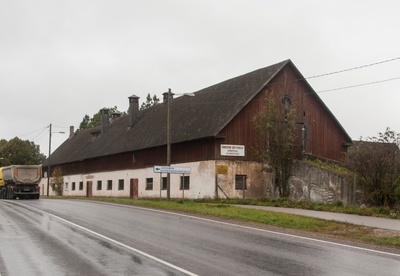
(184, 182)
(120, 184)
(240, 182)
(80, 185)
(66, 186)
(73, 186)
(99, 184)
(109, 184)
(164, 183)
(149, 183)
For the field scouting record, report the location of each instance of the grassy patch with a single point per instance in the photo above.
(288, 221)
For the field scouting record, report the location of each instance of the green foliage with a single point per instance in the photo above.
(150, 101)
(275, 128)
(57, 181)
(376, 162)
(19, 152)
(94, 121)
(329, 166)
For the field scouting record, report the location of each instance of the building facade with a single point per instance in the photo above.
(118, 157)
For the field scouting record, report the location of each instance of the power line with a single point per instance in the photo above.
(40, 129)
(357, 85)
(40, 133)
(353, 68)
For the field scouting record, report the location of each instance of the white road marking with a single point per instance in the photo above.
(263, 230)
(123, 245)
(218, 222)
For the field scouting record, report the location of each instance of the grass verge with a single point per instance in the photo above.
(326, 228)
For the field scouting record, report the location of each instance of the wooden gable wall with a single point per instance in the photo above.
(325, 137)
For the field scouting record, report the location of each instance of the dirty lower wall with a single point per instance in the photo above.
(314, 184)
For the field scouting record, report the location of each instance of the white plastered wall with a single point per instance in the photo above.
(202, 181)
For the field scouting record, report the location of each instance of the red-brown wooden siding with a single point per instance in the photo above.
(325, 137)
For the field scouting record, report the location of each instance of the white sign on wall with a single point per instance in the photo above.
(232, 150)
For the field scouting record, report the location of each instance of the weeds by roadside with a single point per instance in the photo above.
(223, 209)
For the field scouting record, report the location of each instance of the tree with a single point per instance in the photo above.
(150, 102)
(275, 128)
(20, 152)
(57, 181)
(376, 163)
(94, 121)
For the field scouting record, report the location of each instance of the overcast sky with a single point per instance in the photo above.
(60, 60)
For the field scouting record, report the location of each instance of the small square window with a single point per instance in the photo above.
(120, 184)
(185, 180)
(149, 183)
(109, 184)
(240, 182)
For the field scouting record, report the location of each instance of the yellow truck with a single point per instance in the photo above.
(20, 181)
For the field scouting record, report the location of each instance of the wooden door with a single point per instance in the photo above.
(88, 188)
(134, 188)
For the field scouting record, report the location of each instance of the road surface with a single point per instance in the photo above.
(73, 237)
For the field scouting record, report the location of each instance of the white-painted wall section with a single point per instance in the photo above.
(203, 180)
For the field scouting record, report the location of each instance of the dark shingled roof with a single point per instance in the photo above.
(204, 115)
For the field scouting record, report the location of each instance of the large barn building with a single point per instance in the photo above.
(212, 136)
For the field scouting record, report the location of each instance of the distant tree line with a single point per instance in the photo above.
(95, 120)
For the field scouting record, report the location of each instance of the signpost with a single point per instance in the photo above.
(173, 170)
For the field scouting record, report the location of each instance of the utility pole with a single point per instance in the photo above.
(48, 165)
(169, 103)
(169, 143)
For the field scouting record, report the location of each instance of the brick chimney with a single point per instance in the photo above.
(133, 109)
(71, 132)
(165, 96)
(105, 120)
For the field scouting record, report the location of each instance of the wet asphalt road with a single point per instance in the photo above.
(71, 237)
